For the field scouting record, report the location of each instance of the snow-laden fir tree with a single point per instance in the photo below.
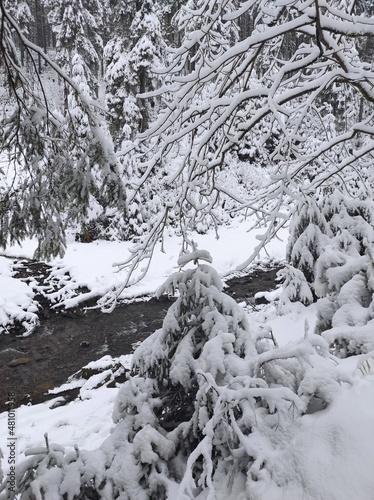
(134, 53)
(207, 42)
(21, 13)
(132, 57)
(95, 221)
(166, 10)
(160, 191)
(42, 189)
(277, 78)
(77, 25)
(345, 276)
(209, 400)
(308, 236)
(330, 255)
(28, 178)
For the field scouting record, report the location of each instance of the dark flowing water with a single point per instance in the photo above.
(62, 344)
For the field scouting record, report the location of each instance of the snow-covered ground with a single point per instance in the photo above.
(329, 455)
(92, 264)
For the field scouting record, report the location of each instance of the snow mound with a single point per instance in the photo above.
(17, 304)
(330, 455)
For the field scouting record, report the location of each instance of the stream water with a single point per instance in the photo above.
(62, 344)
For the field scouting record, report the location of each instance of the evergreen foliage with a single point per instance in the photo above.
(214, 41)
(267, 91)
(21, 12)
(132, 56)
(272, 94)
(344, 277)
(210, 395)
(309, 234)
(330, 256)
(77, 25)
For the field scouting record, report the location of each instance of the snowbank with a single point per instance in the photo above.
(16, 300)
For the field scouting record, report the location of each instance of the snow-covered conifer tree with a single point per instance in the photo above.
(166, 10)
(21, 13)
(345, 275)
(99, 219)
(309, 234)
(276, 79)
(208, 44)
(132, 56)
(43, 188)
(77, 24)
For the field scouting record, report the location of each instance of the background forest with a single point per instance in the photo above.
(137, 120)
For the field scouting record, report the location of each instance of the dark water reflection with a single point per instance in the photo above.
(30, 366)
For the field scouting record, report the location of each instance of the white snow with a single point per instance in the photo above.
(91, 264)
(86, 423)
(330, 456)
(16, 300)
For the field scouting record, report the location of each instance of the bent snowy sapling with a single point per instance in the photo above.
(198, 391)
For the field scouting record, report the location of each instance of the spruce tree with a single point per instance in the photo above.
(44, 189)
(345, 275)
(309, 233)
(206, 44)
(21, 13)
(77, 25)
(132, 56)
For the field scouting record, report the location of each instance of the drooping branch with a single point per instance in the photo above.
(48, 180)
(242, 94)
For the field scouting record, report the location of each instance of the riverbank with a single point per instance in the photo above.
(63, 343)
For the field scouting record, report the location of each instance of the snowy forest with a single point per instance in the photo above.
(142, 120)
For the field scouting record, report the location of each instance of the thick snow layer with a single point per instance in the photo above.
(84, 423)
(327, 455)
(91, 264)
(292, 324)
(16, 300)
(330, 456)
